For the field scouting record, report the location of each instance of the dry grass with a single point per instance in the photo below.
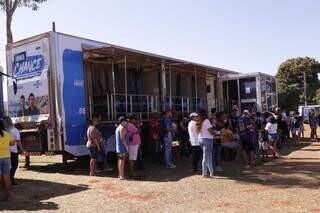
(290, 184)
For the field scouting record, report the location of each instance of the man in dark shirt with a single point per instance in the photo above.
(244, 127)
(234, 119)
(32, 109)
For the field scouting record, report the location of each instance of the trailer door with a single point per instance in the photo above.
(74, 97)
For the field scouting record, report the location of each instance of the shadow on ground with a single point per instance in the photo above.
(40, 191)
(290, 147)
(287, 172)
(281, 173)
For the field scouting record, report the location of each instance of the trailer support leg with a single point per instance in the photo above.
(26, 161)
(64, 159)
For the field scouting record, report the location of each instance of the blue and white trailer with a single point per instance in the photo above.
(62, 80)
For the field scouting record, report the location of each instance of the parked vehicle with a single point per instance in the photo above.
(62, 80)
(305, 110)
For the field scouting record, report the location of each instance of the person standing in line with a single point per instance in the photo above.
(122, 145)
(272, 129)
(253, 132)
(313, 122)
(282, 127)
(168, 133)
(13, 149)
(216, 148)
(244, 127)
(183, 137)
(94, 140)
(6, 141)
(134, 143)
(154, 134)
(205, 136)
(295, 126)
(196, 149)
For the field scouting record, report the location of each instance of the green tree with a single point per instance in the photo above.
(10, 6)
(318, 96)
(290, 81)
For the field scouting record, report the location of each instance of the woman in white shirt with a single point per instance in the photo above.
(272, 129)
(205, 135)
(196, 149)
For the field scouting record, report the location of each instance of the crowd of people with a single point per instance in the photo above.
(211, 137)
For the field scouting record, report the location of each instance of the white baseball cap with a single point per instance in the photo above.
(194, 114)
(246, 111)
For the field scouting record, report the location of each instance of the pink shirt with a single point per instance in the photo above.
(134, 134)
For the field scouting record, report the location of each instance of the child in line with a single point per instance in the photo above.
(272, 129)
(263, 142)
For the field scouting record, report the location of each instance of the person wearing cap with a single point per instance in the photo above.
(168, 132)
(244, 128)
(196, 149)
(122, 142)
(134, 142)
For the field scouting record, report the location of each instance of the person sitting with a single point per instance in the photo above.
(228, 139)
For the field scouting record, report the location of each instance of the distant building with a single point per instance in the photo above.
(253, 91)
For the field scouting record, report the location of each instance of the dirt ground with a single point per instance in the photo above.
(289, 184)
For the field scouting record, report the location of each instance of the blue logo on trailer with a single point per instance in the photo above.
(74, 97)
(28, 67)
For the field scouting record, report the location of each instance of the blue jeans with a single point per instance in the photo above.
(216, 151)
(206, 145)
(5, 166)
(168, 150)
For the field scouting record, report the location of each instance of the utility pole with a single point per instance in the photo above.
(305, 87)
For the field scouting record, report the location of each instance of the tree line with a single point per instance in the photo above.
(290, 82)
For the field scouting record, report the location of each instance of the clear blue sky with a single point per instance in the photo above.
(241, 35)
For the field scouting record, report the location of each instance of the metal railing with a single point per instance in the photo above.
(111, 107)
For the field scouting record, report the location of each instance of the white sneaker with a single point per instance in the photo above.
(171, 167)
(219, 169)
(97, 171)
(107, 169)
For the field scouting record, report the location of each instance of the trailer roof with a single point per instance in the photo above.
(119, 52)
(149, 58)
(244, 75)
